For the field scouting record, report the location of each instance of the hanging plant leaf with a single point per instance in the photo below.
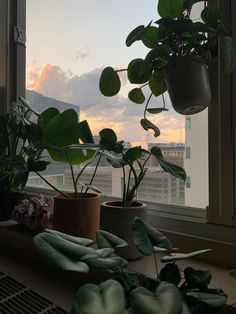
(150, 37)
(211, 16)
(227, 54)
(110, 83)
(173, 8)
(156, 110)
(106, 239)
(197, 279)
(157, 84)
(145, 237)
(148, 125)
(135, 35)
(139, 71)
(136, 95)
(100, 299)
(212, 300)
(179, 256)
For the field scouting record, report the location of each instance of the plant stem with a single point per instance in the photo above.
(145, 110)
(124, 187)
(155, 259)
(72, 174)
(94, 173)
(81, 171)
(121, 70)
(145, 162)
(52, 186)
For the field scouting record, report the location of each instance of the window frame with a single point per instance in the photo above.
(221, 155)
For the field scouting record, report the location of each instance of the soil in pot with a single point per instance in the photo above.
(77, 216)
(118, 220)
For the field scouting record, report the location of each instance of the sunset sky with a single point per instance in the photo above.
(69, 42)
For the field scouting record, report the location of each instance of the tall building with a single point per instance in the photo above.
(196, 160)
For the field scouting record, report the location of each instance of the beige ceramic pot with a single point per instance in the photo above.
(118, 220)
(77, 216)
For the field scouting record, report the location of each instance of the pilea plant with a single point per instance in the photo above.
(172, 36)
(126, 291)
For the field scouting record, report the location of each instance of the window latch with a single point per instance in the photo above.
(19, 35)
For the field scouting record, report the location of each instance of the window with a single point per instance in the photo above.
(221, 180)
(188, 182)
(187, 152)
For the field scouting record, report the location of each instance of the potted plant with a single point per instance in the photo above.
(169, 292)
(179, 51)
(71, 142)
(117, 216)
(16, 159)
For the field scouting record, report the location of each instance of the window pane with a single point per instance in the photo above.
(69, 43)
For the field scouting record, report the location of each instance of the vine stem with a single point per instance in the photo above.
(52, 186)
(72, 175)
(145, 110)
(121, 70)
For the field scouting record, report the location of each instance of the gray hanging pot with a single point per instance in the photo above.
(188, 85)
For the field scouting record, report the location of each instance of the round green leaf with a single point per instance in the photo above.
(197, 279)
(139, 71)
(137, 96)
(150, 37)
(109, 82)
(135, 35)
(157, 84)
(170, 273)
(172, 8)
(133, 153)
(156, 110)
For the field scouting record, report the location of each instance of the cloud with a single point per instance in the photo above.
(81, 55)
(105, 112)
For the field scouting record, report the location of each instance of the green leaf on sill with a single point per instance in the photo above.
(106, 239)
(212, 300)
(180, 256)
(76, 240)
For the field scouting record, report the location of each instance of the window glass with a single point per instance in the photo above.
(69, 42)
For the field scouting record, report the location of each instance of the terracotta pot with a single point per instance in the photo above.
(188, 85)
(8, 201)
(77, 216)
(118, 220)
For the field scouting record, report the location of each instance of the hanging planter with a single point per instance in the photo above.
(188, 85)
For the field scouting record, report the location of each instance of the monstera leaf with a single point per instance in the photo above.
(146, 237)
(107, 298)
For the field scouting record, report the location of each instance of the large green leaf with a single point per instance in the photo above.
(172, 8)
(168, 167)
(212, 300)
(106, 239)
(145, 237)
(107, 263)
(227, 54)
(148, 125)
(46, 116)
(55, 257)
(107, 298)
(62, 129)
(109, 82)
(136, 95)
(84, 132)
(139, 71)
(166, 300)
(179, 256)
(76, 240)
